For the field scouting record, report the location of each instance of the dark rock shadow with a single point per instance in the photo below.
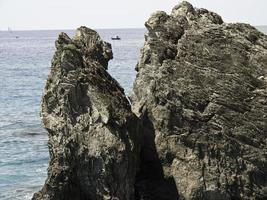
(150, 181)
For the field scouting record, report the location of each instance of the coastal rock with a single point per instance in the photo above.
(201, 92)
(93, 134)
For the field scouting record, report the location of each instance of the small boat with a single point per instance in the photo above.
(116, 38)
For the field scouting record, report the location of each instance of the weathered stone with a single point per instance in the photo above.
(201, 92)
(201, 98)
(93, 134)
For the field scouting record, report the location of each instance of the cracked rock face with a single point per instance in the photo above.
(201, 92)
(93, 135)
(201, 99)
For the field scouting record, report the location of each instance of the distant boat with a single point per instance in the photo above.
(116, 38)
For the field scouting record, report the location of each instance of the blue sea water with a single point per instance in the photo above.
(24, 65)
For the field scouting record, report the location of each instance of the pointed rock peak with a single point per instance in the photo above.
(86, 36)
(195, 15)
(63, 39)
(87, 43)
(156, 18)
(183, 8)
(93, 46)
(85, 30)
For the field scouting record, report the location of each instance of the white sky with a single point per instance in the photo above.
(69, 14)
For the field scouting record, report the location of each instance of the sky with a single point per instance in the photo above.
(70, 14)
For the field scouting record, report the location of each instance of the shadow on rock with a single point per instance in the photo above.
(151, 184)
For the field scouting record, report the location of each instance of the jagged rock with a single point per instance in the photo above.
(93, 135)
(201, 92)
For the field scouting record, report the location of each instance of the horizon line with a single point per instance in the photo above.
(65, 29)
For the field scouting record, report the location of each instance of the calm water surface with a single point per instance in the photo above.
(24, 65)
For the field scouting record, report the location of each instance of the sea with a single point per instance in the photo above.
(25, 60)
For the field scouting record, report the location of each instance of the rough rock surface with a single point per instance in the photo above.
(201, 92)
(92, 132)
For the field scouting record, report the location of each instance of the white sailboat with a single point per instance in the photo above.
(9, 30)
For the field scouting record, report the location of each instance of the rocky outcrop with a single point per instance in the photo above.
(93, 135)
(197, 127)
(201, 92)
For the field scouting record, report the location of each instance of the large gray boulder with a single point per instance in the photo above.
(201, 92)
(93, 135)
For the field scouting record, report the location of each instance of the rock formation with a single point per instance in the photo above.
(93, 135)
(197, 128)
(201, 92)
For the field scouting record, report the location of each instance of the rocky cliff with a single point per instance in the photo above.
(197, 126)
(201, 90)
(92, 132)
